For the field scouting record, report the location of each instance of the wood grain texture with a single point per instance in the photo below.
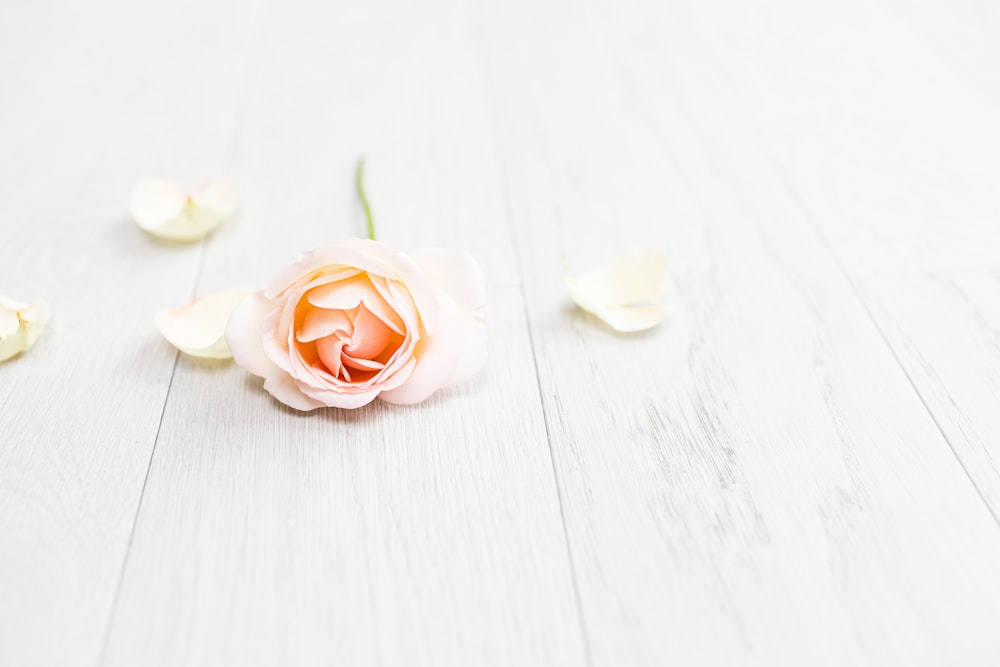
(756, 482)
(946, 331)
(427, 535)
(92, 100)
(964, 32)
(893, 154)
(798, 467)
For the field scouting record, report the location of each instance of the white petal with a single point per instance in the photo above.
(626, 292)
(164, 210)
(10, 323)
(219, 196)
(20, 325)
(198, 328)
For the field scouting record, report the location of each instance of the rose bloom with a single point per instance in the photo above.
(355, 320)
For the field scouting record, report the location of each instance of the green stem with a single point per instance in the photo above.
(359, 181)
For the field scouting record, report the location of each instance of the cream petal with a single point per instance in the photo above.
(9, 322)
(154, 201)
(219, 196)
(625, 292)
(35, 318)
(13, 305)
(199, 327)
(20, 325)
(633, 318)
(436, 357)
(162, 209)
(12, 345)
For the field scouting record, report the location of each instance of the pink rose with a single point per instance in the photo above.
(355, 320)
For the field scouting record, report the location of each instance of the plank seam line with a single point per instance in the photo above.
(135, 520)
(238, 115)
(800, 204)
(806, 213)
(149, 467)
(491, 103)
(962, 73)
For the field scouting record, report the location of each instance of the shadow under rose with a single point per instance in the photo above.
(369, 412)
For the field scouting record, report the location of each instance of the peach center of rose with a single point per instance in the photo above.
(347, 329)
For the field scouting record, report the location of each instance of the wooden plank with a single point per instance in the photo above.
(95, 97)
(965, 32)
(428, 535)
(945, 330)
(755, 482)
(894, 155)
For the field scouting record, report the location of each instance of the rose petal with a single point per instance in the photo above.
(162, 209)
(20, 325)
(199, 327)
(370, 336)
(320, 322)
(457, 273)
(626, 292)
(243, 335)
(474, 351)
(371, 257)
(339, 399)
(347, 294)
(436, 357)
(287, 390)
(329, 350)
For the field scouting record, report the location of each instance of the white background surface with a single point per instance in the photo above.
(798, 467)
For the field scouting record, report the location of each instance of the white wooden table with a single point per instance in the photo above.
(800, 467)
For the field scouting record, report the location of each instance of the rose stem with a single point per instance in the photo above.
(359, 181)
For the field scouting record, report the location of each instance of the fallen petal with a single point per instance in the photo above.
(625, 292)
(199, 328)
(162, 209)
(20, 325)
(218, 196)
